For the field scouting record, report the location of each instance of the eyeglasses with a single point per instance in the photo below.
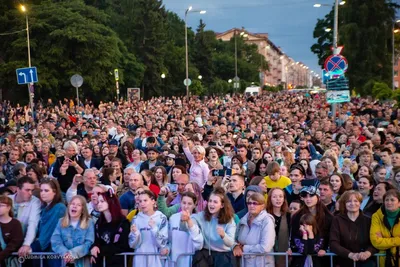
(250, 203)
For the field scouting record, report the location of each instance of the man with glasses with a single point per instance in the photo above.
(175, 197)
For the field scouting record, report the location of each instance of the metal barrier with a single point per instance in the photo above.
(167, 260)
(264, 255)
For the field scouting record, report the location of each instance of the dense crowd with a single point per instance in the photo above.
(217, 177)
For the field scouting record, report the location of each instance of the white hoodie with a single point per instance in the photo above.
(149, 240)
(183, 240)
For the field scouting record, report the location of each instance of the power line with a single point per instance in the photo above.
(10, 33)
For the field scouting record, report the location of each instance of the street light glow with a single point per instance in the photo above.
(200, 77)
(317, 5)
(23, 8)
(163, 76)
(230, 81)
(189, 8)
(396, 31)
(328, 29)
(203, 11)
(342, 3)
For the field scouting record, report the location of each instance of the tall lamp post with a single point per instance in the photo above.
(393, 51)
(188, 10)
(24, 10)
(335, 36)
(236, 79)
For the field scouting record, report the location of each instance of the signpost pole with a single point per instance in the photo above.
(335, 42)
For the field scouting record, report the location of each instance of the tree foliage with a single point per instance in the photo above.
(139, 37)
(365, 31)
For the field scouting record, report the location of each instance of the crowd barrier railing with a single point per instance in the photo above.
(166, 260)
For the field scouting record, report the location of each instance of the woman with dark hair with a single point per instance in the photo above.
(385, 229)
(111, 232)
(261, 168)
(151, 182)
(127, 150)
(219, 228)
(366, 186)
(185, 235)
(11, 236)
(380, 190)
(149, 231)
(53, 209)
(277, 206)
(337, 182)
(349, 237)
(35, 172)
(161, 175)
(176, 171)
(312, 205)
(109, 177)
(306, 165)
(97, 153)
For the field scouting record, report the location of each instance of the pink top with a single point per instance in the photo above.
(198, 170)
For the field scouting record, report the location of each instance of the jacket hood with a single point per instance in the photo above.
(259, 220)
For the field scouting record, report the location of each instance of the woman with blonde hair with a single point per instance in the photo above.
(160, 173)
(74, 234)
(199, 169)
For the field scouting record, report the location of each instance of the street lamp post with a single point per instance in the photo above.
(393, 51)
(236, 79)
(189, 9)
(24, 10)
(163, 77)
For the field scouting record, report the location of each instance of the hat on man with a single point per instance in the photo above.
(152, 149)
(113, 142)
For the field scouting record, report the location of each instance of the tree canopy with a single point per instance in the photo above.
(93, 37)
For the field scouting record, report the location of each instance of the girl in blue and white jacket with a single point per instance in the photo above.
(184, 234)
(149, 231)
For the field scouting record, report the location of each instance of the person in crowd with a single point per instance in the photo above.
(184, 234)
(26, 208)
(256, 233)
(74, 234)
(199, 169)
(53, 209)
(274, 178)
(136, 160)
(349, 235)
(260, 182)
(175, 197)
(124, 186)
(385, 229)
(176, 171)
(161, 175)
(87, 161)
(109, 177)
(66, 167)
(380, 190)
(326, 195)
(366, 188)
(82, 185)
(92, 206)
(251, 189)
(11, 236)
(152, 155)
(151, 181)
(149, 231)
(338, 185)
(261, 168)
(296, 176)
(127, 200)
(277, 206)
(321, 221)
(294, 207)
(218, 228)
(111, 232)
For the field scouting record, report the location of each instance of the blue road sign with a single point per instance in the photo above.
(325, 76)
(27, 75)
(336, 65)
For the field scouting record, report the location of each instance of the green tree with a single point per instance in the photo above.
(68, 37)
(382, 91)
(324, 39)
(365, 31)
(202, 52)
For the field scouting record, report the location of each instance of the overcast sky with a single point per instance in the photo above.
(289, 23)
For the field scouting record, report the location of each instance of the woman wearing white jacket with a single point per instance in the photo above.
(184, 233)
(256, 233)
(149, 232)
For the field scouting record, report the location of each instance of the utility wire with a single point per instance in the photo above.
(10, 33)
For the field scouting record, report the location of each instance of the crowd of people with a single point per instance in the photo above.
(218, 178)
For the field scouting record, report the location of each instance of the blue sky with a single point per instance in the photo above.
(289, 23)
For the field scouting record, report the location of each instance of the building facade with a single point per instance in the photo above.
(283, 70)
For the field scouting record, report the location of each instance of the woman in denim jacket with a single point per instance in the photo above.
(74, 234)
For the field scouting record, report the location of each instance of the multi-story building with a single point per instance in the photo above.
(282, 69)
